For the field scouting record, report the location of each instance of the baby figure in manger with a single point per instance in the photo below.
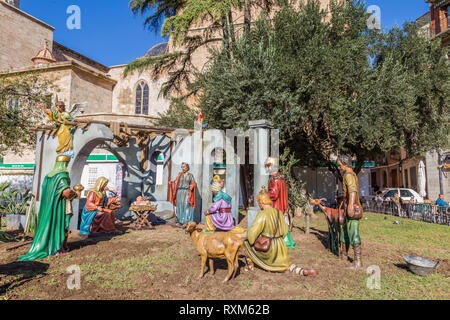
(141, 202)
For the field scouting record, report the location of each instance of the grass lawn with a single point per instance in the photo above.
(163, 264)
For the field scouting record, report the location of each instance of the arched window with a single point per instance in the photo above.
(142, 98)
(13, 108)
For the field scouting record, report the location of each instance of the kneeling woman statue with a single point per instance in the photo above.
(98, 215)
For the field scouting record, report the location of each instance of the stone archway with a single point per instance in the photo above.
(76, 172)
(85, 142)
(136, 143)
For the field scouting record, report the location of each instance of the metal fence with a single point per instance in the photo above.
(416, 211)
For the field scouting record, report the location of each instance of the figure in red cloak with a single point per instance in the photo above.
(182, 195)
(278, 193)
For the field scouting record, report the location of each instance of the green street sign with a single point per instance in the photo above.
(17, 166)
(102, 157)
(367, 164)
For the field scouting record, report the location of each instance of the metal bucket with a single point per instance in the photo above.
(420, 265)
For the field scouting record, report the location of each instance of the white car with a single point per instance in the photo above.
(405, 194)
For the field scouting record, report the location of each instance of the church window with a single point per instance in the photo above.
(13, 108)
(142, 98)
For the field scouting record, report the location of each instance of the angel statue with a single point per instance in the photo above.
(65, 131)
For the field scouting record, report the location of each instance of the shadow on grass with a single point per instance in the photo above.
(403, 266)
(94, 239)
(91, 240)
(28, 271)
(322, 236)
(221, 264)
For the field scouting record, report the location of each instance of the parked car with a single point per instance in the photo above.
(404, 193)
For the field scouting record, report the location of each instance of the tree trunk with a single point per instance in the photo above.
(231, 25)
(247, 15)
(308, 222)
(226, 36)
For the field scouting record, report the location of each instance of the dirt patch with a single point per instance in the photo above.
(163, 264)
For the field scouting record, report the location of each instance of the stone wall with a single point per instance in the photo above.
(321, 183)
(124, 93)
(18, 180)
(21, 37)
(433, 184)
(95, 91)
(26, 157)
(62, 53)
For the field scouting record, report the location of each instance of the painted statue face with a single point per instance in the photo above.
(61, 109)
(104, 185)
(341, 166)
(184, 168)
(260, 204)
(139, 199)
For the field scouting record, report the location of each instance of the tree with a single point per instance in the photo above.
(332, 86)
(298, 197)
(19, 98)
(176, 18)
(178, 116)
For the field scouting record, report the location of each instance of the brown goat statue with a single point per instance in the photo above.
(216, 245)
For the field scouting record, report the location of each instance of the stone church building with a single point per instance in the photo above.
(99, 91)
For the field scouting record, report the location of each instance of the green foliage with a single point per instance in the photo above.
(332, 86)
(178, 116)
(19, 111)
(151, 63)
(32, 220)
(13, 201)
(410, 85)
(159, 9)
(196, 12)
(176, 18)
(297, 194)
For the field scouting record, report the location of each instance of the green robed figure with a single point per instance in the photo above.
(55, 212)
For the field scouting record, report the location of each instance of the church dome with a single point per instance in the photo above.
(157, 50)
(44, 56)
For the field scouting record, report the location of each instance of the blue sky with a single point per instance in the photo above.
(112, 35)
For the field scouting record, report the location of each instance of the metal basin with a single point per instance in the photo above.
(420, 265)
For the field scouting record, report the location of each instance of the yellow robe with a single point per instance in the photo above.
(350, 184)
(64, 134)
(277, 258)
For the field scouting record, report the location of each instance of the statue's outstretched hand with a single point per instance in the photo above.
(69, 194)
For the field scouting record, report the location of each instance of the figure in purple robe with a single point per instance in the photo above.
(219, 216)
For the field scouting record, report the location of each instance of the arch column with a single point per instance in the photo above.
(261, 149)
